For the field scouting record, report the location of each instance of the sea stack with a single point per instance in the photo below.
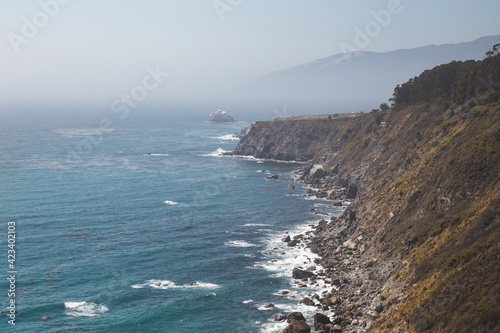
(220, 116)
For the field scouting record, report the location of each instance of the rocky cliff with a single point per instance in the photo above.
(424, 225)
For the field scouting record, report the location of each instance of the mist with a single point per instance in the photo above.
(246, 57)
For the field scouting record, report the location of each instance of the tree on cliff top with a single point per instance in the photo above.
(457, 80)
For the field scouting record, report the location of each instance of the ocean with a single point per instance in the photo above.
(143, 226)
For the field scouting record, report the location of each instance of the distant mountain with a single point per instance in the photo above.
(360, 80)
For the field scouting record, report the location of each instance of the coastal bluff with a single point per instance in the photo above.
(290, 139)
(419, 246)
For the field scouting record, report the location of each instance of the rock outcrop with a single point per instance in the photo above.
(220, 116)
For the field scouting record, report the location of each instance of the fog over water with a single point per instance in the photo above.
(209, 54)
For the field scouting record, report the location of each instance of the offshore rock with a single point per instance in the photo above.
(220, 116)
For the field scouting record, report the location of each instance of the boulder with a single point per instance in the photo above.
(349, 244)
(297, 324)
(278, 317)
(307, 301)
(273, 176)
(296, 316)
(286, 239)
(291, 187)
(317, 171)
(220, 116)
(377, 305)
(337, 329)
(301, 274)
(321, 321)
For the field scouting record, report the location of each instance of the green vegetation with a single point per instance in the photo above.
(431, 84)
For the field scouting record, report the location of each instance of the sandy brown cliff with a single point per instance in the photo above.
(425, 179)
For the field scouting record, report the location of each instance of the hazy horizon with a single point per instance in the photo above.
(90, 54)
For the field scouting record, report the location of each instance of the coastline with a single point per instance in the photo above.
(344, 284)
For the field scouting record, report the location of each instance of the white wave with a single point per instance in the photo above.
(84, 309)
(239, 243)
(167, 284)
(249, 301)
(168, 202)
(274, 327)
(279, 261)
(151, 154)
(261, 160)
(256, 225)
(225, 137)
(217, 153)
(203, 285)
(79, 132)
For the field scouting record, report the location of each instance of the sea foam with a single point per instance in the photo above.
(217, 153)
(84, 309)
(167, 284)
(230, 137)
(239, 243)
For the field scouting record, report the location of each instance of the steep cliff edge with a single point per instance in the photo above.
(294, 139)
(425, 178)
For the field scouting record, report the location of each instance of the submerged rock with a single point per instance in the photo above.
(220, 116)
(278, 317)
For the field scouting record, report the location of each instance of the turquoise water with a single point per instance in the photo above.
(144, 227)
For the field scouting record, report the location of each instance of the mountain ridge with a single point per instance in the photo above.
(357, 85)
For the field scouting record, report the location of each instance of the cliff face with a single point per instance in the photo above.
(427, 201)
(297, 139)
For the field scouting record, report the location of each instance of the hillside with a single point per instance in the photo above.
(424, 177)
(357, 81)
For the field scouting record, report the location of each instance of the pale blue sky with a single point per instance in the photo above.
(95, 50)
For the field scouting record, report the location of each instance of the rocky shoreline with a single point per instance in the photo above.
(348, 281)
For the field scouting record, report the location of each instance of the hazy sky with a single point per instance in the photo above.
(94, 50)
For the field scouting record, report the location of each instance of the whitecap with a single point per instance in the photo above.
(256, 225)
(204, 285)
(168, 202)
(217, 153)
(79, 132)
(152, 154)
(167, 284)
(248, 301)
(84, 309)
(230, 137)
(239, 243)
